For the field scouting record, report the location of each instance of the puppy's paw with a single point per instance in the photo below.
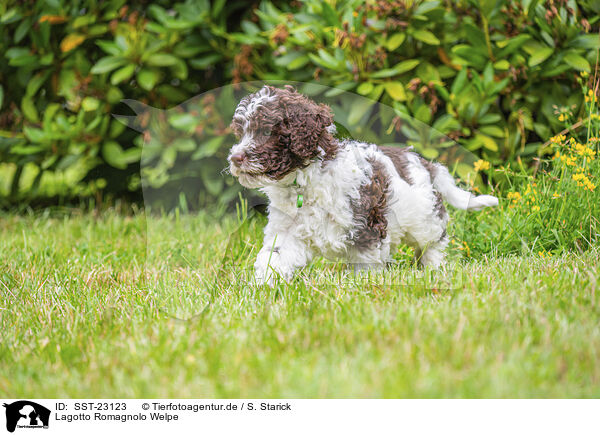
(269, 268)
(264, 277)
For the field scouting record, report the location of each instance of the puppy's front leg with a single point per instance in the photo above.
(282, 254)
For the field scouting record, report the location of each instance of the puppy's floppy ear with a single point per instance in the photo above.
(307, 124)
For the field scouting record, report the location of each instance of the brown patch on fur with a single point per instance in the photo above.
(370, 209)
(439, 205)
(398, 157)
(291, 131)
(444, 235)
(428, 165)
(439, 201)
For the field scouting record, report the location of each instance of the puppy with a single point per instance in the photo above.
(341, 199)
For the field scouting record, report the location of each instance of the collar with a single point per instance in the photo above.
(299, 197)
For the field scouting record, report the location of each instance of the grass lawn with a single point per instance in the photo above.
(87, 311)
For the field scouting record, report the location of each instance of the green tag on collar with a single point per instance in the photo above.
(299, 200)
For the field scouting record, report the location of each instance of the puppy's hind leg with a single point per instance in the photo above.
(370, 259)
(434, 254)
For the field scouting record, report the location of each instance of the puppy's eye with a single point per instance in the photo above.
(264, 132)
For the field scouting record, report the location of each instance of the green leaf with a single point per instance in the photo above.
(250, 28)
(459, 82)
(486, 141)
(217, 7)
(1, 96)
(540, 55)
(147, 78)
(384, 73)
(492, 130)
(426, 36)
(395, 41)
(331, 17)
(502, 65)
(29, 109)
(406, 65)
(35, 83)
(185, 144)
(489, 118)
(395, 90)
(299, 62)
(122, 74)
(109, 47)
(430, 153)
(22, 30)
(208, 148)
(168, 156)
(107, 64)
(113, 154)
(589, 42)
(364, 88)
(206, 61)
(26, 149)
(161, 59)
(423, 114)
(183, 121)
(399, 68)
(578, 62)
(180, 70)
(89, 104)
(324, 60)
(488, 74)
(35, 135)
(328, 58)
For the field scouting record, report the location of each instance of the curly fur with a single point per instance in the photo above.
(360, 200)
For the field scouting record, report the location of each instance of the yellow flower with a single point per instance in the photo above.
(589, 185)
(562, 117)
(558, 139)
(570, 161)
(481, 165)
(535, 208)
(590, 97)
(514, 197)
(584, 74)
(466, 249)
(555, 195)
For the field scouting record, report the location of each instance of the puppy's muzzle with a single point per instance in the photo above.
(238, 159)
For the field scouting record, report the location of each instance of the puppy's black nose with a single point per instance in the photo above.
(238, 158)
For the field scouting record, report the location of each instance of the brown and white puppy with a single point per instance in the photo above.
(341, 199)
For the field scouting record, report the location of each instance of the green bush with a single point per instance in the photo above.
(67, 65)
(493, 75)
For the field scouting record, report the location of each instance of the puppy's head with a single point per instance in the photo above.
(279, 131)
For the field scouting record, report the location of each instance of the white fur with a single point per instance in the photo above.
(456, 197)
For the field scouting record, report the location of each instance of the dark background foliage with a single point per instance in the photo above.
(492, 75)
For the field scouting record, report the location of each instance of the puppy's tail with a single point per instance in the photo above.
(455, 196)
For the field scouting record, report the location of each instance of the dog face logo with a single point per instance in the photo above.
(26, 414)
